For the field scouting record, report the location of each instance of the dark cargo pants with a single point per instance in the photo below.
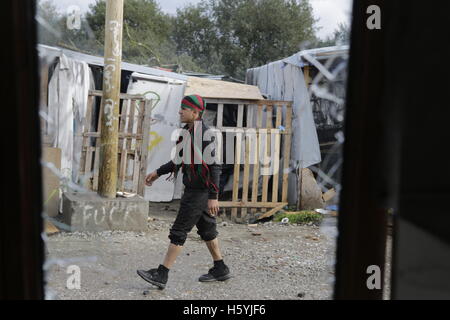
(193, 212)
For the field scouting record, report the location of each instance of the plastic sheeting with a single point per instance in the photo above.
(67, 103)
(166, 95)
(284, 80)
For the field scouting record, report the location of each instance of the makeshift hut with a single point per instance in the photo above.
(314, 120)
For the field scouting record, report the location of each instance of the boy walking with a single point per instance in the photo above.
(199, 204)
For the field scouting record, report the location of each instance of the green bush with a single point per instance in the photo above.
(301, 217)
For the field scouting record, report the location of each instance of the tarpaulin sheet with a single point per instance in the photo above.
(284, 80)
(67, 104)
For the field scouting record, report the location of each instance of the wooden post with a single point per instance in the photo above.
(256, 172)
(267, 153)
(237, 162)
(147, 105)
(287, 153)
(307, 76)
(111, 99)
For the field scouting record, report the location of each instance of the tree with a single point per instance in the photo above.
(48, 20)
(195, 35)
(54, 29)
(216, 36)
(340, 36)
(243, 33)
(146, 28)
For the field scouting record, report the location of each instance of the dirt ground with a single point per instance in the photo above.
(269, 261)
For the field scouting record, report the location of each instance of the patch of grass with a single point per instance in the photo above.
(299, 217)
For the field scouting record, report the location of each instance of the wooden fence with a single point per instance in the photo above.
(134, 120)
(271, 139)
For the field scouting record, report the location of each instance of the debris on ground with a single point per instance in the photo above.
(50, 228)
(124, 194)
(329, 195)
(326, 212)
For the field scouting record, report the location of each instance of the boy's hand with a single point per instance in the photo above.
(150, 178)
(213, 207)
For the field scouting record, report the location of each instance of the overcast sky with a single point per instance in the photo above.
(329, 12)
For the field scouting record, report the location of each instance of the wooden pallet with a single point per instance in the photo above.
(134, 121)
(274, 137)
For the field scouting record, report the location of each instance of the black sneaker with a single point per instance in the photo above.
(216, 274)
(156, 278)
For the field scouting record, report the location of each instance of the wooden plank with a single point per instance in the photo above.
(96, 166)
(307, 76)
(275, 102)
(136, 174)
(86, 128)
(267, 152)
(229, 101)
(129, 141)
(123, 115)
(286, 154)
(268, 130)
(128, 151)
(255, 183)
(50, 228)
(122, 169)
(209, 88)
(237, 167)
(250, 204)
(124, 96)
(279, 116)
(134, 146)
(245, 182)
(97, 145)
(88, 166)
(87, 121)
(144, 146)
(122, 123)
(140, 111)
(250, 115)
(100, 116)
(240, 116)
(276, 157)
(219, 116)
(240, 137)
(271, 212)
(121, 135)
(249, 151)
(131, 122)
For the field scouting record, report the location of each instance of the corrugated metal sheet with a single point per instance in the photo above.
(99, 61)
